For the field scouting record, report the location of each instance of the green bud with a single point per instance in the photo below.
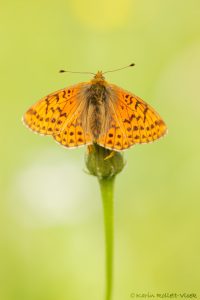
(103, 163)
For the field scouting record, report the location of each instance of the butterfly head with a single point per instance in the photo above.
(98, 77)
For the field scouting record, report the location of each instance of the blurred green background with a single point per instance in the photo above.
(51, 226)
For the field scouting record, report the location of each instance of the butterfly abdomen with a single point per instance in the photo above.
(97, 98)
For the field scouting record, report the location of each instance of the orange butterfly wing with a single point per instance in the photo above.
(133, 122)
(58, 115)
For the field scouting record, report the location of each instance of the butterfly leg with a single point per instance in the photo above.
(90, 149)
(112, 153)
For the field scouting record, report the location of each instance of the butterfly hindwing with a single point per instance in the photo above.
(133, 122)
(72, 134)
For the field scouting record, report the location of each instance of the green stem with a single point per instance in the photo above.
(107, 190)
(105, 164)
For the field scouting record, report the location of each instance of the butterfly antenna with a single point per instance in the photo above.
(131, 65)
(64, 71)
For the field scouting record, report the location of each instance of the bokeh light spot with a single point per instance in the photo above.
(101, 14)
(46, 193)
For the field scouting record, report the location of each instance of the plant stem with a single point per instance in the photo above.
(105, 164)
(107, 191)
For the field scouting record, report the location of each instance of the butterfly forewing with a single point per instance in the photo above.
(58, 115)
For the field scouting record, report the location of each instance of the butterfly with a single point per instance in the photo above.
(95, 112)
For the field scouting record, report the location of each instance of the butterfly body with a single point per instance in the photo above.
(95, 112)
(96, 99)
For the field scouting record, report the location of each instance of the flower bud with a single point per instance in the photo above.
(102, 162)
